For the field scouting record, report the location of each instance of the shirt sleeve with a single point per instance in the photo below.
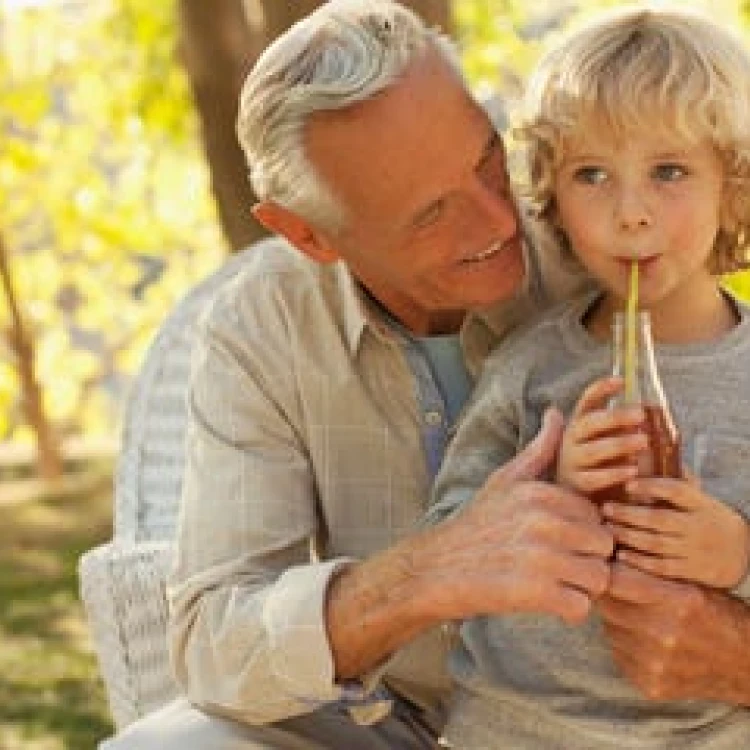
(247, 630)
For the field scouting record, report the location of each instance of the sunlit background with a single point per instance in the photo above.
(119, 189)
(106, 208)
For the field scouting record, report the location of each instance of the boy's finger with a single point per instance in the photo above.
(595, 480)
(597, 394)
(677, 492)
(608, 421)
(660, 520)
(618, 449)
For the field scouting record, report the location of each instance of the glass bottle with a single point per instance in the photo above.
(663, 456)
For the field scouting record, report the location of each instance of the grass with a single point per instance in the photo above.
(51, 696)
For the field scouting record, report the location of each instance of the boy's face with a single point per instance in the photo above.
(647, 196)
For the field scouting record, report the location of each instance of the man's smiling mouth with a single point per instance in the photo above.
(496, 247)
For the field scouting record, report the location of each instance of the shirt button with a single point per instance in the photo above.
(433, 418)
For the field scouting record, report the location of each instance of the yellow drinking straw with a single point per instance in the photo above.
(630, 333)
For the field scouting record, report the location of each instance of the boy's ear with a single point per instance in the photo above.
(297, 230)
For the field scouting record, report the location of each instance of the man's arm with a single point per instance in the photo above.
(247, 636)
(675, 640)
(520, 546)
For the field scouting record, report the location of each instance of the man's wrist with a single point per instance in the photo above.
(375, 607)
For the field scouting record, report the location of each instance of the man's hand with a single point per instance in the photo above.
(676, 640)
(523, 545)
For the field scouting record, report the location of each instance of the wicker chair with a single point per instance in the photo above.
(122, 582)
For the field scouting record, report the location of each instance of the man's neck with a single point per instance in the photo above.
(418, 321)
(441, 324)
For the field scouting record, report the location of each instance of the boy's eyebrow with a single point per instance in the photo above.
(672, 154)
(585, 158)
(663, 153)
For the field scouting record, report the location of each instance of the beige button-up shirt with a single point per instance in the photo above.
(304, 451)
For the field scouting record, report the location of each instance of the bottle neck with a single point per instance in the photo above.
(634, 360)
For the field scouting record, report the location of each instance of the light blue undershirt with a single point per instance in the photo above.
(443, 385)
(449, 370)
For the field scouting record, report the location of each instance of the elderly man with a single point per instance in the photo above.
(308, 609)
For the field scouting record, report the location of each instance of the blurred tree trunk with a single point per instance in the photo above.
(49, 456)
(219, 41)
(217, 46)
(434, 12)
(280, 15)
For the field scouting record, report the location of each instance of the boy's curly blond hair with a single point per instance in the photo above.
(636, 70)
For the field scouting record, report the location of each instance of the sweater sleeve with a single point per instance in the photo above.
(487, 437)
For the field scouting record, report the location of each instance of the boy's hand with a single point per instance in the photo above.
(599, 443)
(698, 538)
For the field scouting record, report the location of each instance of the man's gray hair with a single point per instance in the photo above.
(345, 52)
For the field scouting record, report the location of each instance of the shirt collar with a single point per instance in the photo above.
(480, 331)
(360, 311)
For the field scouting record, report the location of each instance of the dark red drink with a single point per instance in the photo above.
(661, 459)
(664, 443)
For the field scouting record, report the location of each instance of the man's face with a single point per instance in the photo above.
(433, 229)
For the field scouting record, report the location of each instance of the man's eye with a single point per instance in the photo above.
(590, 175)
(669, 172)
(430, 215)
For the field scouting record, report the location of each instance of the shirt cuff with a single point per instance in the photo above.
(300, 653)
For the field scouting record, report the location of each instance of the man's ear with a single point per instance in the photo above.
(297, 230)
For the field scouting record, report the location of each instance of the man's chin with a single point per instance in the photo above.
(507, 286)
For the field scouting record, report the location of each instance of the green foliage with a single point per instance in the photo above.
(101, 165)
(739, 283)
(502, 39)
(494, 50)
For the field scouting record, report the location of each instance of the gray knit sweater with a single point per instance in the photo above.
(530, 682)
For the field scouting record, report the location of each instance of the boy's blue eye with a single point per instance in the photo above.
(590, 175)
(669, 172)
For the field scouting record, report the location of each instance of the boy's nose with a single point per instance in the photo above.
(632, 210)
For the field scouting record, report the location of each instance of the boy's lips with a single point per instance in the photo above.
(643, 263)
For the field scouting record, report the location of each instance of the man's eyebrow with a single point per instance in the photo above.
(489, 148)
(492, 143)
